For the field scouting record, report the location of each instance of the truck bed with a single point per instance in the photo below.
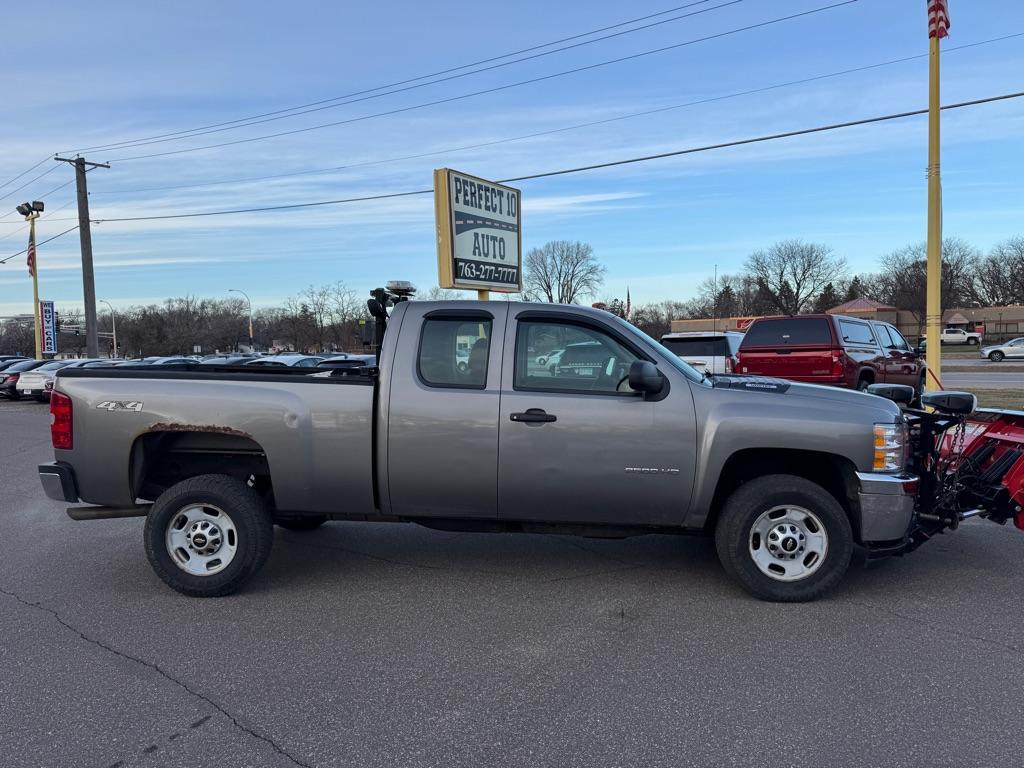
(314, 431)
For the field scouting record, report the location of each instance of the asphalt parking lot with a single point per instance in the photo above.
(393, 645)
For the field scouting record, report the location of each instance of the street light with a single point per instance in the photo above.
(31, 212)
(249, 302)
(113, 324)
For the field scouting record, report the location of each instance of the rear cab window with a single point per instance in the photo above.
(788, 331)
(454, 351)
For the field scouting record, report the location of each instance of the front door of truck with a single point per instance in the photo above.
(442, 413)
(577, 445)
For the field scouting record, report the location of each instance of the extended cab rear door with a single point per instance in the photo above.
(576, 444)
(441, 411)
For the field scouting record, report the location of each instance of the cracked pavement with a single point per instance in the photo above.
(384, 645)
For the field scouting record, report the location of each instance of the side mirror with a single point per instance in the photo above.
(953, 403)
(644, 377)
(898, 393)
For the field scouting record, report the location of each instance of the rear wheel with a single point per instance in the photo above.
(996, 356)
(206, 536)
(784, 538)
(863, 383)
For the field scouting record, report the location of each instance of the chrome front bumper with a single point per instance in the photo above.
(886, 506)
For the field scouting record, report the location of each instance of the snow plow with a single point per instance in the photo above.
(970, 462)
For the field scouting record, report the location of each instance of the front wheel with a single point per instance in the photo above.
(996, 356)
(972, 342)
(206, 536)
(784, 538)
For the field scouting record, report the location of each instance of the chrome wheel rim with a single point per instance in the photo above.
(201, 539)
(788, 543)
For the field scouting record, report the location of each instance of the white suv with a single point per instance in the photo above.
(709, 351)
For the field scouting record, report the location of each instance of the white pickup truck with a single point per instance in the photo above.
(959, 336)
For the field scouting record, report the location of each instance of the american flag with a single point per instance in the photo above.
(938, 18)
(32, 253)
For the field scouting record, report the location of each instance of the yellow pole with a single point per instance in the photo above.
(483, 295)
(933, 307)
(35, 285)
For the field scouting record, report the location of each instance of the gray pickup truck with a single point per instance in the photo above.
(627, 440)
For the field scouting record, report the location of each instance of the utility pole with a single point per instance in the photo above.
(938, 28)
(92, 347)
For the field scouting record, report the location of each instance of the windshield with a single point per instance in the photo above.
(687, 370)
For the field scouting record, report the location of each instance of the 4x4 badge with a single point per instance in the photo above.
(120, 405)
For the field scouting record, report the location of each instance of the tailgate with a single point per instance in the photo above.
(800, 363)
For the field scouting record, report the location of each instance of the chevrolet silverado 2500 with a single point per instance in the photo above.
(787, 477)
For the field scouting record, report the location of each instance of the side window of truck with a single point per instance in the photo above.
(856, 333)
(590, 361)
(454, 351)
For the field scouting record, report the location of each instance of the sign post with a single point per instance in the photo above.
(49, 328)
(479, 238)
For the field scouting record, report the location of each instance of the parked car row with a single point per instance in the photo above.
(22, 377)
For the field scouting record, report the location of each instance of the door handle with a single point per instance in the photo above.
(533, 416)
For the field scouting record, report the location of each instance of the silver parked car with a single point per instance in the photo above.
(1014, 348)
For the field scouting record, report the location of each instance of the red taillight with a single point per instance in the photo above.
(838, 363)
(12, 378)
(62, 430)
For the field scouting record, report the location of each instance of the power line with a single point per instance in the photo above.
(46, 217)
(25, 172)
(146, 139)
(39, 197)
(579, 169)
(44, 242)
(495, 89)
(27, 183)
(563, 129)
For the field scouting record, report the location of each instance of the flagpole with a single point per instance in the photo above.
(933, 306)
(35, 284)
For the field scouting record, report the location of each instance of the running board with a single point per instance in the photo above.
(107, 513)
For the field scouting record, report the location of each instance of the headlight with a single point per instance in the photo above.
(890, 448)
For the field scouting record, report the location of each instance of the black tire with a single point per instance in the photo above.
(863, 383)
(302, 523)
(248, 514)
(973, 342)
(736, 522)
(996, 356)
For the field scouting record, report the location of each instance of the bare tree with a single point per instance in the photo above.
(562, 272)
(903, 278)
(999, 279)
(794, 272)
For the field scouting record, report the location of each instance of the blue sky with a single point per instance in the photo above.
(105, 72)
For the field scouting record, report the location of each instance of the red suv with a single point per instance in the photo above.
(830, 349)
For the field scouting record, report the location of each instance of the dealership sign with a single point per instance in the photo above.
(49, 327)
(478, 233)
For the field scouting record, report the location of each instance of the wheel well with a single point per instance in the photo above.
(835, 474)
(161, 459)
(866, 373)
